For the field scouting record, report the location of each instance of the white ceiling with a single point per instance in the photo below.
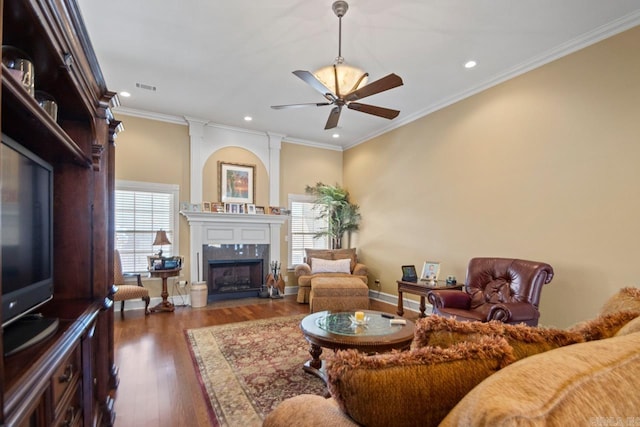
(220, 61)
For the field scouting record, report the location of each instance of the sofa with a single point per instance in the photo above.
(487, 374)
(330, 263)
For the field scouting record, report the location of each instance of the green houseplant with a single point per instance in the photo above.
(333, 204)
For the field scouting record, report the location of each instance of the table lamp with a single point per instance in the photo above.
(161, 239)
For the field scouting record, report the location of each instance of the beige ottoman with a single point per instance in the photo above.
(338, 294)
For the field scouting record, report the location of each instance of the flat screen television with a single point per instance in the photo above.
(26, 223)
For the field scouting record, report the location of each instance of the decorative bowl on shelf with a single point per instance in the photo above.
(20, 67)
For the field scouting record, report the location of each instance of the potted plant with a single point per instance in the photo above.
(333, 204)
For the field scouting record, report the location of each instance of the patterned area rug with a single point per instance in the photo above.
(247, 368)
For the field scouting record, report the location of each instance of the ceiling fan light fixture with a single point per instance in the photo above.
(350, 78)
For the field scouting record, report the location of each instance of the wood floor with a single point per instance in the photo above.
(158, 385)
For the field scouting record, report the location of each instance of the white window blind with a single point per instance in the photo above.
(140, 211)
(303, 225)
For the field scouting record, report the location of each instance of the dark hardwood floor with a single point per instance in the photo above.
(158, 385)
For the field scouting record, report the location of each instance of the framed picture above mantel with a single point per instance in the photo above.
(236, 182)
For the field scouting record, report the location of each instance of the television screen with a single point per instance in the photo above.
(26, 225)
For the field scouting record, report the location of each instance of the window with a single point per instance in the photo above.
(303, 225)
(141, 209)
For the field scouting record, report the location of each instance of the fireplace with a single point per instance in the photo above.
(235, 271)
(242, 276)
(232, 237)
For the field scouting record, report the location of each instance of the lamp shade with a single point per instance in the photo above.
(349, 78)
(161, 238)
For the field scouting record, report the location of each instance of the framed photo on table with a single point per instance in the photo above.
(430, 270)
(236, 182)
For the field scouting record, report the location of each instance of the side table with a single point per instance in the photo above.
(421, 289)
(165, 305)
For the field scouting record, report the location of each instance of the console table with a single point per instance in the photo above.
(421, 289)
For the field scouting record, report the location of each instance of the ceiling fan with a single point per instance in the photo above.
(343, 85)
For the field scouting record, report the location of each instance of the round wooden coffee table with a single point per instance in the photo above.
(336, 331)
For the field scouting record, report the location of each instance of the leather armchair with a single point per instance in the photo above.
(304, 272)
(503, 289)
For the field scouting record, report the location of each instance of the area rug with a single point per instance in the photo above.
(247, 368)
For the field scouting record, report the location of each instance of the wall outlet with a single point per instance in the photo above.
(377, 283)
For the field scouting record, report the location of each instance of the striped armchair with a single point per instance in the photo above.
(125, 291)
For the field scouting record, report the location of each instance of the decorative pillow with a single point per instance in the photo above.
(524, 340)
(495, 292)
(317, 253)
(349, 253)
(319, 265)
(626, 299)
(604, 326)
(579, 385)
(416, 387)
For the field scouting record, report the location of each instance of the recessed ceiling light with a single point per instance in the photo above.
(470, 64)
(336, 135)
(125, 94)
(248, 118)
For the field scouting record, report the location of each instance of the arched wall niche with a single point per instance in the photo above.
(212, 142)
(237, 155)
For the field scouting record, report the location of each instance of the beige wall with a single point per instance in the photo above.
(545, 166)
(153, 151)
(301, 166)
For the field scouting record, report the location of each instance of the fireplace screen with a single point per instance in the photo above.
(235, 275)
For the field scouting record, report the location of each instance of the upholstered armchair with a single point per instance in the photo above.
(126, 291)
(503, 289)
(331, 263)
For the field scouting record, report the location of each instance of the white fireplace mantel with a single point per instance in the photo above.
(229, 229)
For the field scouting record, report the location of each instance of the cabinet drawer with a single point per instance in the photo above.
(66, 376)
(70, 414)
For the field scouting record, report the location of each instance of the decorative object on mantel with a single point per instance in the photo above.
(342, 216)
(275, 283)
(160, 240)
(260, 210)
(236, 182)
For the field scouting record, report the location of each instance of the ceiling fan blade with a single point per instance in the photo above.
(385, 83)
(334, 116)
(387, 113)
(312, 81)
(309, 104)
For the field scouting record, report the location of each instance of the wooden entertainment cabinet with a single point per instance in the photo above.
(68, 379)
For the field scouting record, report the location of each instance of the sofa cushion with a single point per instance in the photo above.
(525, 340)
(417, 387)
(631, 327)
(317, 253)
(604, 326)
(583, 384)
(319, 265)
(308, 410)
(627, 299)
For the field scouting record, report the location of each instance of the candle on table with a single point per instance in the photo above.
(360, 316)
